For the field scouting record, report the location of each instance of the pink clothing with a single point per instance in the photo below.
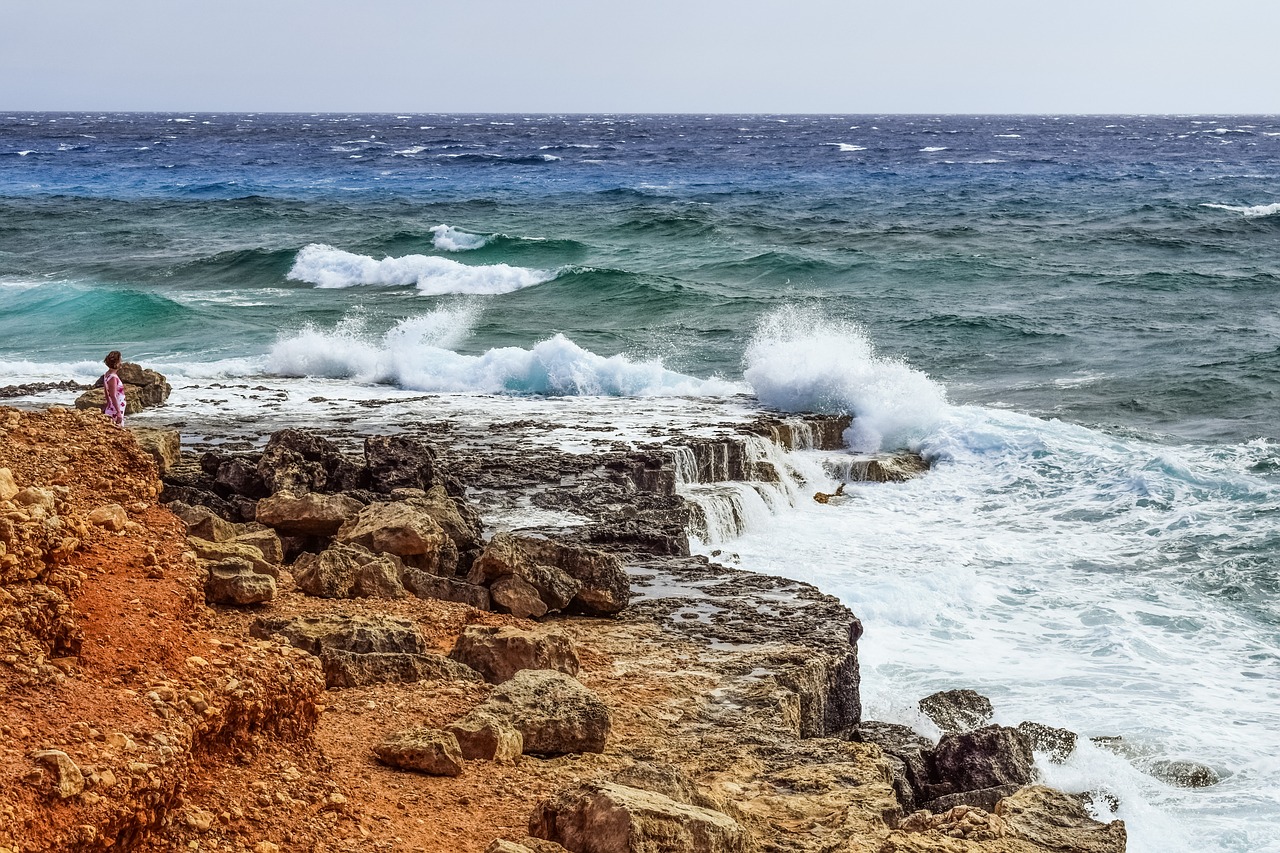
(115, 406)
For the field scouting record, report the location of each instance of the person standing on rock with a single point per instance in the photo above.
(114, 388)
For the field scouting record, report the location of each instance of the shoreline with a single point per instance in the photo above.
(745, 665)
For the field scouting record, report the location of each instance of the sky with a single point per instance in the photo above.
(700, 56)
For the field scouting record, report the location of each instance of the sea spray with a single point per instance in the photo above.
(446, 238)
(327, 267)
(800, 360)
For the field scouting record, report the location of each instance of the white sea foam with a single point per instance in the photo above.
(1008, 136)
(411, 150)
(417, 353)
(800, 361)
(325, 266)
(450, 239)
(1249, 212)
(932, 148)
(846, 146)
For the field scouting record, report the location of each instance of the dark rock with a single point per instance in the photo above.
(359, 669)
(300, 462)
(957, 710)
(239, 477)
(984, 798)
(983, 758)
(1182, 773)
(499, 652)
(396, 461)
(907, 754)
(1058, 743)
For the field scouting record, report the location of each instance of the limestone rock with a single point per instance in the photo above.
(983, 798)
(429, 751)
(398, 528)
(143, 389)
(265, 540)
(359, 669)
(456, 518)
(602, 817)
(109, 517)
(1058, 743)
(218, 552)
(1183, 774)
(234, 581)
(164, 445)
(299, 462)
(957, 710)
(396, 461)
(360, 634)
(68, 781)
(426, 585)
(907, 755)
(485, 737)
(349, 571)
(515, 595)
(1057, 822)
(553, 712)
(602, 585)
(306, 515)
(8, 488)
(983, 758)
(203, 523)
(499, 652)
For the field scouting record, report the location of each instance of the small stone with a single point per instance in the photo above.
(111, 517)
(68, 780)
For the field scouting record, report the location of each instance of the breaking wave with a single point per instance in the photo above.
(1252, 212)
(446, 238)
(327, 267)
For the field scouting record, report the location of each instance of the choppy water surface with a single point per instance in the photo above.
(1077, 318)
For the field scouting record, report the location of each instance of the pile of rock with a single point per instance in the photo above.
(143, 389)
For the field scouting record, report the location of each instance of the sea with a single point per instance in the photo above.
(1076, 319)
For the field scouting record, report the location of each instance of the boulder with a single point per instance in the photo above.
(239, 476)
(553, 568)
(359, 669)
(8, 487)
(499, 652)
(308, 514)
(265, 540)
(429, 751)
(203, 523)
(301, 462)
(235, 582)
(1055, 821)
(957, 710)
(348, 571)
(164, 445)
(1182, 773)
(1058, 743)
(458, 519)
(983, 798)
(485, 737)
(404, 530)
(360, 634)
(109, 517)
(983, 758)
(423, 584)
(396, 462)
(218, 552)
(143, 389)
(602, 817)
(553, 712)
(513, 594)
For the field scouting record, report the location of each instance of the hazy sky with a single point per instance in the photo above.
(652, 56)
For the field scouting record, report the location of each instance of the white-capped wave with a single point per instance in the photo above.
(1249, 212)
(417, 354)
(932, 148)
(801, 361)
(449, 239)
(325, 266)
(846, 146)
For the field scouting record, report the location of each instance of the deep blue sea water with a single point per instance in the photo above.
(1077, 317)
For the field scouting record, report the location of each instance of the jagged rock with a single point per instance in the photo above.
(957, 710)
(404, 530)
(554, 713)
(1057, 822)
(143, 389)
(970, 823)
(666, 779)
(456, 517)
(218, 552)
(396, 461)
(983, 798)
(1058, 743)
(429, 751)
(8, 488)
(164, 445)
(237, 476)
(202, 522)
(983, 758)
(426, 585)
(360, 634)
(348, 571)
(233, 581)
(110, 517)
(68, 781)
(907, 755)
(499, 652)
(601, 817)
(486, 737)
(897, 468)
(306, 515)
(358, 669)
(300, 462)
(265, 540)
(1183, 774)
(603, 586)
(515, 595)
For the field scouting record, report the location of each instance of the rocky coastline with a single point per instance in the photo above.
(330, 641)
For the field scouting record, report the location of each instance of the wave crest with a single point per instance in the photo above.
(800, 361)
(446, 238)
(327, 267)
(1252, 212)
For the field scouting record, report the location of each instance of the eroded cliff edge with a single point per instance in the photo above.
(732, 697)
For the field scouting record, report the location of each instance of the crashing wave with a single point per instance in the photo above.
(446, 238)
(1252, 212)
(327, 267)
